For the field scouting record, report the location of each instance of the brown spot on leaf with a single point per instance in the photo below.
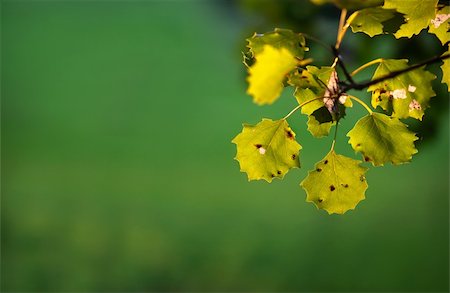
(294, 156)
(345, 185)
(272, 175)
(258, 146)
(325, 162)
(332, 188)
(289, 134)
(279, 172)
(319, 170)
(367, 159)
(362, 178)
(358, 145)
(320, 200)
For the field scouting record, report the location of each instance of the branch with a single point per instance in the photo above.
(342, 65)
(361, 86)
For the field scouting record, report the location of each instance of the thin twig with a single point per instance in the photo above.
(361, 86)
(342, 65)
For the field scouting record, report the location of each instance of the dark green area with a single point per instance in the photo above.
(118, 172)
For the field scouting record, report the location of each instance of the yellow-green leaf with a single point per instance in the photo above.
(381, 139)
(267, 74)
(267, 150)
(369, 20)
(441, 24)
(279, 38)
(337, 184)
(407, 95)
(418, 15)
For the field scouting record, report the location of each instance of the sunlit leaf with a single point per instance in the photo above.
(381, 139)
(440, 25)
(418, 15)
(370, 20)
(407, 95)
(337, 184)
(279, 38)
(267, 74)
(267, 150)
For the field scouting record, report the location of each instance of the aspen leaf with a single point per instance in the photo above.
(369, 20)
(337, 184)
(381, 139)
(418, 15)
(440, 24)
(267, 150)
(279, 38)
(407, 95)
(267, 74)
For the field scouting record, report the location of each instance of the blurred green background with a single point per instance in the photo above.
(118, 171)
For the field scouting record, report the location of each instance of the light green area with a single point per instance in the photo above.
(267, 150)
(118, 171)
(370, 20)
(417, 13)
(337, 184)
(382, 139)
(408, 94)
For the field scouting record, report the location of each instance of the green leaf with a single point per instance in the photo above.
(267, 150)
(381, 139)
(441, 24)
(407, 95)
(279, 38)
(418, 15)
(267, 74)
(337, 184)
(350, 4)
(445, 67)
(369, 20)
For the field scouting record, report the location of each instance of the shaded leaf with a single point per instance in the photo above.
(369, 20)
(445, 67)
(267, 74)
(267, 150)
(418, 15)
(381, 139)
(407, 95)
(337, 184)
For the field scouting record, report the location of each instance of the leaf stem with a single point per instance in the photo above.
(341, 29)
(364, 66)
(335, 135)
(299, 106)
(362, 103)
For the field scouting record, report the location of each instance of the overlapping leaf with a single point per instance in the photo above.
(267, 150)
(350, 4)
(407, 95)
(370, 20)
(267, 74)
(441, 24)
(381, 139)
(317, 87)
(337, 184)
(418, 15)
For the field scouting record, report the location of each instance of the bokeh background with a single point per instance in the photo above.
(118, 172)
